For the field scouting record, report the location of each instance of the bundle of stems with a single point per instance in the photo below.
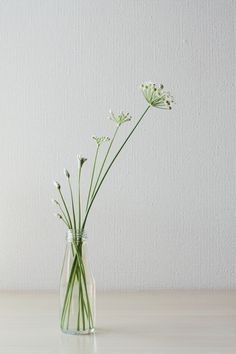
(156, 97)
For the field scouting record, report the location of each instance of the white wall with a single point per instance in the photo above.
(165, 216)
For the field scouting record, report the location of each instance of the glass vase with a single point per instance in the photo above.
(77, 287)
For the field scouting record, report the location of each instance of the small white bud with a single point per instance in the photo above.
(66, 173)
(57, 215)
(81, 159)
(57, 185)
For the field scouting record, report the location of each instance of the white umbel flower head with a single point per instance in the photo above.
(57, 185)
(156, 96)
(81, 159)
(100, 139)
(66, 173)
(121, 118)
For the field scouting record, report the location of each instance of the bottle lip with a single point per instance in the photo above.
(76, 235)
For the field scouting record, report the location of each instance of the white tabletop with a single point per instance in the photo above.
(161, 322)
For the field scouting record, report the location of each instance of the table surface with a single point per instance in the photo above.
(165, 322)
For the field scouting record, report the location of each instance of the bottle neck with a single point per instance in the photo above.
(76, 235)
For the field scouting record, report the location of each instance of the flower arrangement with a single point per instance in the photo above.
(75, 218)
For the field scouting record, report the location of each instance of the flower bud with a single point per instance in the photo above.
(57, 215)
(66, 173)
(57, 185)
(81, 159)
(54, 201)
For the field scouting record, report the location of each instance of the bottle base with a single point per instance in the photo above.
(78, 333)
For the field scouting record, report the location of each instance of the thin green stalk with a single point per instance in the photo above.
(69, 292)
(107, 170)
(72, 249)
(79, 198)
(62, 218)
(82, 302)
(72, 204)
(65, 217)
(70, 299)
(80, 261)
(104, 161)
(67, 212)
(68, 289)
(89, 314)
(91, 181)
(77, 270)
(82, 271)
(78, 318)
(73, 268)
(74, 273)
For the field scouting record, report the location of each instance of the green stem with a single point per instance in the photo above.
(82, 301)
(107, 170)
(80, 263)
(67, 212)
(69, 285)
(89, 314)
(73, 269)
(72, 204)
(104, 161)
(70, 299)
(65, 217)
(82, 271)
(78, 318)
(77, 270)
(79, 198)
(91, 181)
(64, 221)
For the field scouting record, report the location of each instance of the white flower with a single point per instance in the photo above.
(57, 185)
(81, 159)
(57, 215)
(121, 118)
(101, 139)
(66, 173)
(156, 96)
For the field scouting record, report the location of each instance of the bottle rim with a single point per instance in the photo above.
(76, 235)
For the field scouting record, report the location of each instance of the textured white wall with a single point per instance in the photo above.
(165, 216)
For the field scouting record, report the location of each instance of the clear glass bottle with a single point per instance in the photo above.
(77, 287)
